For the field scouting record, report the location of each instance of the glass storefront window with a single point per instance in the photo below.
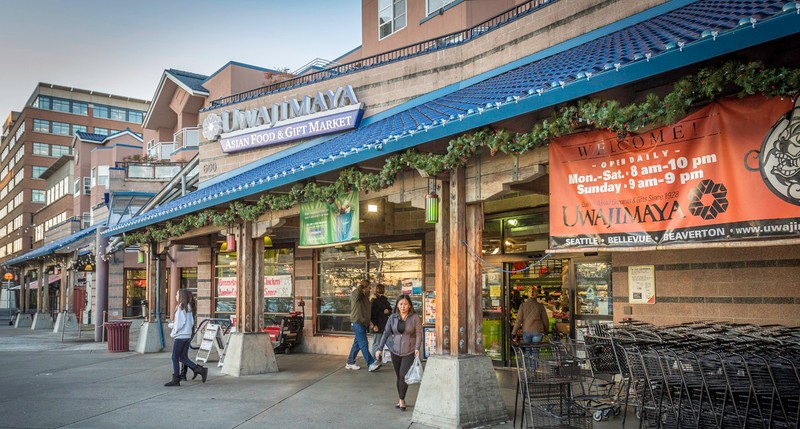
(225, 285)
(278, 283)
(135, 292)
(398, 265)
(189, 279)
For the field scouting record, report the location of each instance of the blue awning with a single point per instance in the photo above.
(73, 241)
(669, 36)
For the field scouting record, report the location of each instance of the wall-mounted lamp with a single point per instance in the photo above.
(431, 202)
(230, 241)
(372, 208)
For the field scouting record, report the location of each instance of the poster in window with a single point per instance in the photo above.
(226, 287)
(641, 284)
(430, 308)
(278, 286)
(429, 334)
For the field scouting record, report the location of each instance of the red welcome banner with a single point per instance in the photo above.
(728, 172)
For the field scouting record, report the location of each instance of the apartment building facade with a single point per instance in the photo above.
(37, 137)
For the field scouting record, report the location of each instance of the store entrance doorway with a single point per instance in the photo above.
(575, 292)
(546, 280)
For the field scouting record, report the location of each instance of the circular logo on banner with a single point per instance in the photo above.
(212, 127)
(779, 158)
(716, 205)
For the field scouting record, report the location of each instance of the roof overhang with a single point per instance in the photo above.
(261, 179)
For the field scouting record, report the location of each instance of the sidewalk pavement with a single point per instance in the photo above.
(50, 384)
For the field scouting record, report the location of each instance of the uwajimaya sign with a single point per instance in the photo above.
(728, 172)
(323, 113)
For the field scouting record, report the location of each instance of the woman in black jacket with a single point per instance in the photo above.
(405, 328)
(381, 309)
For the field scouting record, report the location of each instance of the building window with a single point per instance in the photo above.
(61, 105)
(41, 149)
(102, 176)
(135, 116)
(278, 284)
(86, 220)
(100, 111)
(101, 131)
(58, 150)
(87, 185)
(41, 126)
(37, 171)
(79, 128)
(60, 128)
(398, 265)
(135, 288)
(434, 5)
(225, 285)
(37, 196)
(391, 17)
(189, 279)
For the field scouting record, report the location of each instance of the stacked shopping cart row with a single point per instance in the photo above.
(710, 375)
(547, 374)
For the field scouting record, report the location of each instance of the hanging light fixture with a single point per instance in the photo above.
(141, 256)
(223, 247)
(267, 241)
(431, 202)
(230, 241)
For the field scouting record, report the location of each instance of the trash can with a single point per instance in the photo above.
(118, 333)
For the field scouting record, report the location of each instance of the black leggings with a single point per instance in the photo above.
(401, 366)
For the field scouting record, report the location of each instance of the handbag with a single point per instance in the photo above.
(414, 374)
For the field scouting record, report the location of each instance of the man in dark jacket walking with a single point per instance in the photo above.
(381, 309)
(359, 321)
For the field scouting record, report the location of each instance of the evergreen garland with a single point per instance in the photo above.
(704, 86)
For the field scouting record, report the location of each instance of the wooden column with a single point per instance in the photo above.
(63, 291)
(43, 281)
(247, 295)
(458, 263)
(150, 286)
(474, 227)
(442, 269)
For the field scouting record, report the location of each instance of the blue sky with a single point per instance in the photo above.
(123, 47)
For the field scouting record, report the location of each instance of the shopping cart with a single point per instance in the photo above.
(546, 376)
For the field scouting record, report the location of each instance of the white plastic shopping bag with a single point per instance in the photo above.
(414, 375)
(386, 355)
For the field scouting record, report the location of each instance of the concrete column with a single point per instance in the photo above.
(24, 319)
(43, 319)
(460, 389)
(249, 350)
(154, 333)
(101, 282)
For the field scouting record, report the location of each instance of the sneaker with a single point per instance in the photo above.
(351, 366)
(375, 365)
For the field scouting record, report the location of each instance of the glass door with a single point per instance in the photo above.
(494, 323)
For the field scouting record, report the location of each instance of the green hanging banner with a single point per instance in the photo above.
(323, 224)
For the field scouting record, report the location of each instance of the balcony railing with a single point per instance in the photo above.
(187, 137)
(150, 170)
(427, 46)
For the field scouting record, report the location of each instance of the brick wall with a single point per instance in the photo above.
(758, 285)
